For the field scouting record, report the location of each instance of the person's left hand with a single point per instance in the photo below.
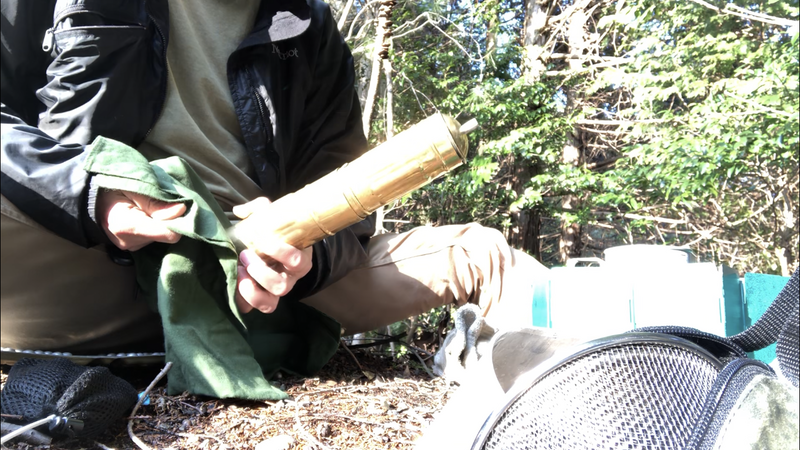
(266, 275)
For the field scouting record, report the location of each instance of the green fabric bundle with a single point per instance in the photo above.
(216, 351)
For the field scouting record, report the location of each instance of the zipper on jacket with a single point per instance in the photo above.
(163, 79)
(260, 101)
(80, 9)
(49, 34)
(49, 39)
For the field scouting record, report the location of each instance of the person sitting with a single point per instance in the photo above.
(258, 98)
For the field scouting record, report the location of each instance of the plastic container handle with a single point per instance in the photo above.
(573, 262)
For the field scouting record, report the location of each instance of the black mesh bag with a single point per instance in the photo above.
(86, 400)
(659, 388)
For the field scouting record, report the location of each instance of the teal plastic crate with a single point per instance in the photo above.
(610, 299)
(593, 297)
(759, 290)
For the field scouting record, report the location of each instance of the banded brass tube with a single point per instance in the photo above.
(347, 195)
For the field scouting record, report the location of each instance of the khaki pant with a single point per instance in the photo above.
(59, 296)
(56, 295)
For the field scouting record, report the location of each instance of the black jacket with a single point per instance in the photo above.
(73, 70)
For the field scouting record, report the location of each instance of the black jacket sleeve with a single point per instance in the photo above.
(331, 135)
(56, 98)
(43, 177)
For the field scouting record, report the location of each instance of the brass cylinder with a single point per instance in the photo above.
(347, 195)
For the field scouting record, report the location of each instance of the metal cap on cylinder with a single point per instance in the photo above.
(459, 139)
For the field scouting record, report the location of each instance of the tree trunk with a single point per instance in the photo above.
(524, 231)
(533, 38)
(569, 244)
(372, 91)
(383, 36)
(491, 42)
(387, 72)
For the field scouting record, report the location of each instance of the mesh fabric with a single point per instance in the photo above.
(722, 348)
(724, 396)
(36, 388)
(788, 346)
(637, 396)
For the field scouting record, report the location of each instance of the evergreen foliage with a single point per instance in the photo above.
(684, 115)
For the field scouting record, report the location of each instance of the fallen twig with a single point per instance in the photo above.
(190, 406)
(331, 417)
(424, 366)
(417, 349)
(339, 388)
(139, 443)
(194, 435)
(12, 416)
(344, 344)
(30, 436)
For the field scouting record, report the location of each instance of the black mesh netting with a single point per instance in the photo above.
(36, 388)
(642, 396)
(788, 350)
(722, 348)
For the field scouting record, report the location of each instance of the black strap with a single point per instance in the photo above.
(778, 324)
(787, 351)
(722, 348)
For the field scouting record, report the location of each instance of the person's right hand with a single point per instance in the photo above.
(133, 220)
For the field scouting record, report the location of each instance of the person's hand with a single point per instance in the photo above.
(266, 275)
(133, 220)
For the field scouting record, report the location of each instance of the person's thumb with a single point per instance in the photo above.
(244, 211)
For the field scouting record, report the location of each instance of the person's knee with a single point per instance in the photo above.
(476, 235)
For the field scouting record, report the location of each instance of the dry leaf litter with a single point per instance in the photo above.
(360, 400)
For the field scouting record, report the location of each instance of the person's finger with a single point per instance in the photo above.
(253, 294)
(133, 228)
(277, 282)
(156, 230)
(156, 208)
(167, 211)
(293, 259)
(244, 210)
(241, 304)
(126, 219)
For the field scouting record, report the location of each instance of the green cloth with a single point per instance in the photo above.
(215, 350)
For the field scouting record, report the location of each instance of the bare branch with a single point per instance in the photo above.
(343, 17)
(429, 21)
(139, 443)
(618, 122)
(734, 10)
(761, 107)
(355, 19)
